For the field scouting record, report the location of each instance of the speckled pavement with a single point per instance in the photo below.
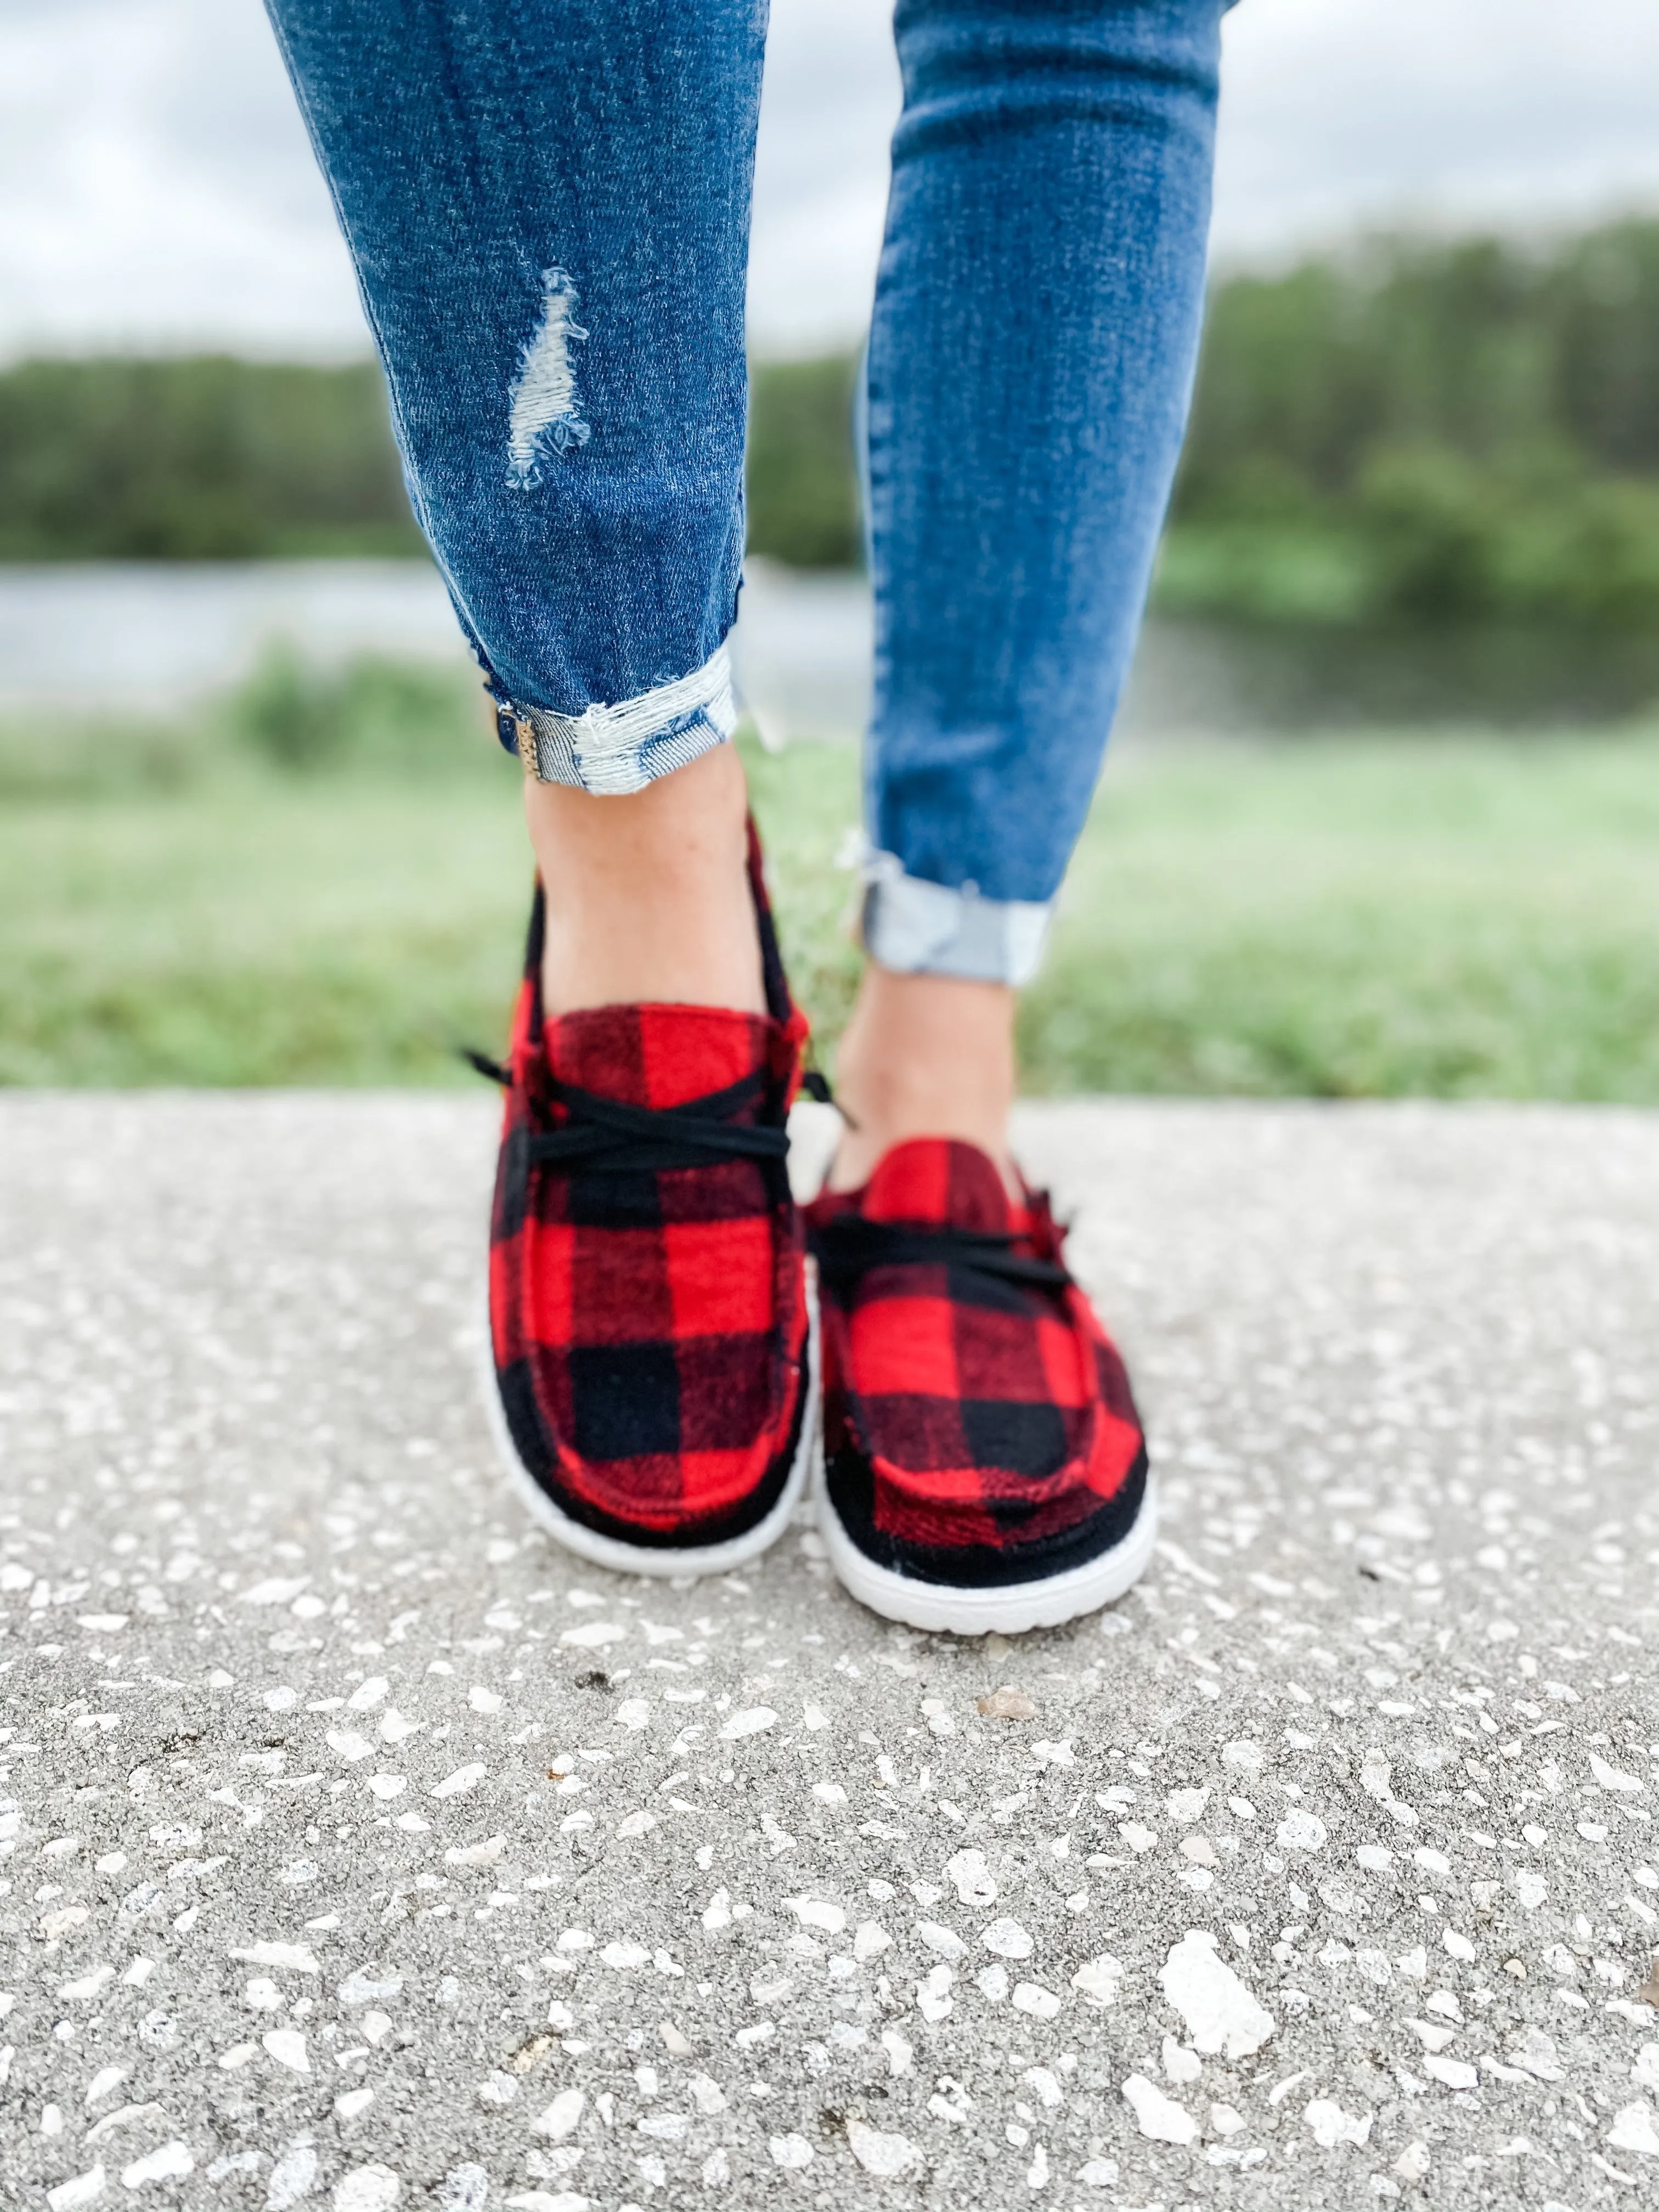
(361, 1849)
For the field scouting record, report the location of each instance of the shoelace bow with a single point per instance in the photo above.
(610, 1136)
(848, 1246)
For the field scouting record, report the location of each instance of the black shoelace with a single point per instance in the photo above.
(848, 1247)
(609, 1136)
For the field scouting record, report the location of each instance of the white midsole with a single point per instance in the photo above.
(1008, 1610)
(663, 1560)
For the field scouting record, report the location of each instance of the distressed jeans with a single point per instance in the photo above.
(547, 202)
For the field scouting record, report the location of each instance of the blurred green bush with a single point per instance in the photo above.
(803, 485)
(372, 714)
(203, 458)
(291, 717)
(1420, 431)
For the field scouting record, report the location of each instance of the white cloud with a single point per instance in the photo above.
(1377, 112)
(156, 187)
(831, 101)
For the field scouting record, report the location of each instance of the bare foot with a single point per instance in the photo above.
(647, 896)
(924, 1056)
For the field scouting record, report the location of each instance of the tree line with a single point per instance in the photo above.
(1430, 431)
(1409, 431)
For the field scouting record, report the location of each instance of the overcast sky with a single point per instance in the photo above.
(157, 189)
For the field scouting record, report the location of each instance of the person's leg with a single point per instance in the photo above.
(647, 899)
(549, 211)
(1036, 327)
(548, 203)
(1031, 363)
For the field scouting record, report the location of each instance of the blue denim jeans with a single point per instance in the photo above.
(548, 206)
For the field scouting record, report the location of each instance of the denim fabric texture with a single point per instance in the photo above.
(1029, 370)
(548, 207)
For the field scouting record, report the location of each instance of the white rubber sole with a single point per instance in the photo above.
(1008, 1610)
(666, 1562)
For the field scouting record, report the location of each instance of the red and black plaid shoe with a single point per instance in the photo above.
(655, 1352)
(985, 1468)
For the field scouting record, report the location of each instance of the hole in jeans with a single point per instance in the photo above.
(546, 414)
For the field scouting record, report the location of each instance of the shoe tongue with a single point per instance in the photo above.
(944, 1183)
(659, 1056)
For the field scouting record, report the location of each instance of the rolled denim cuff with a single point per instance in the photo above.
(919, 929)
(621, 748)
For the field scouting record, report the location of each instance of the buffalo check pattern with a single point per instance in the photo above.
(978, 1428)
(649, 1323)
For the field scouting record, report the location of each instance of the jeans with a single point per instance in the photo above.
(547, 202)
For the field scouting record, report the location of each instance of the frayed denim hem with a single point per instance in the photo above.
(919, 929)
(619, 749)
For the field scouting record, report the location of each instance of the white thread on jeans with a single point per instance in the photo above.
(605, 748)
(544, 408)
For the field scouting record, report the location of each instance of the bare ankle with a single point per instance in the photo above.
(647, 894)
(924, 1056)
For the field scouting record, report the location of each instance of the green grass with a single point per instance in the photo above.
(324, 881)
(1410, 917)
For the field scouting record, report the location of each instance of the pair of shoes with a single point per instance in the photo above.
(662, 1383)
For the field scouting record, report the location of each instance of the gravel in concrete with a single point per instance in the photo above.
(359, 1848)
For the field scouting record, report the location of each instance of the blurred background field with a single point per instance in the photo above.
(320, 877)
(1382, 812)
